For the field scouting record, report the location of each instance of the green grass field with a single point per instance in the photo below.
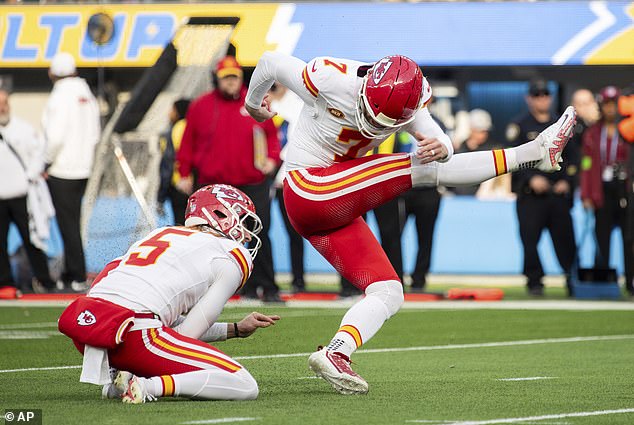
(442, 366)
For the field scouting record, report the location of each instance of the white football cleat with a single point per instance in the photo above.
(335, 368)
(553, 140)
(131, 389)
(110, 390)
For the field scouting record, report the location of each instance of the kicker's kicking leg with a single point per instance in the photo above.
(543, 153)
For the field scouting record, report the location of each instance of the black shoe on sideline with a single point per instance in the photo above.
(273, 298)
(536, 291)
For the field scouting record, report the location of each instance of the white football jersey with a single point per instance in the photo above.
(327, 130)
(169, 271)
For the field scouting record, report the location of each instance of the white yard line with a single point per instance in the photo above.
(459, 346)
(404, 349)
(530, 378)
(568, 305)
(30, 325)
(30, 369)
(28, 334)
(532, 418)
(444, 422)
(221, 421)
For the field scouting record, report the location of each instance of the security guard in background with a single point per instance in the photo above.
(543, 200)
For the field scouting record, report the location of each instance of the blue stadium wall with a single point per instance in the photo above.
(471, 237)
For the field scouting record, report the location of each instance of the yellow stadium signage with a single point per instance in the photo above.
(31, 35)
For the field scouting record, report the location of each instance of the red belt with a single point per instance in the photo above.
(146, 316)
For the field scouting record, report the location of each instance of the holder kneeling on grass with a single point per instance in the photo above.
(132, 317)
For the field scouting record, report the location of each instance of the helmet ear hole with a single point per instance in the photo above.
(220, 214)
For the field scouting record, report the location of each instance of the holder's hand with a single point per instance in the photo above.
(255, 320)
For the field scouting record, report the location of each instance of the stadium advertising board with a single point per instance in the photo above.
(447, 34)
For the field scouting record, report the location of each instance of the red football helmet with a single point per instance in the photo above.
(226, 210)
(390, 96)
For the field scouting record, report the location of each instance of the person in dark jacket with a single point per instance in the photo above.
(223, 144)
(170, 142)
(543, 200)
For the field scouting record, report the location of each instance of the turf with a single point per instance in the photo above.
(440, 385)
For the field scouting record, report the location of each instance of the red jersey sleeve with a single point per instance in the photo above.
(273, 140)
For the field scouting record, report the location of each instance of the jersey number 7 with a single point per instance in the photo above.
(348, 136)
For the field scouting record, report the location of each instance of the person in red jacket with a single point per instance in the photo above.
(604, 181)
(223, 144)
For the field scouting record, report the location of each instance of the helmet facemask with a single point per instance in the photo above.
(368, 125)
(247, 230)
(244, 225)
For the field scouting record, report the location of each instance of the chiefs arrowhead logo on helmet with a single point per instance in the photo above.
(86, 318)
(390, 96)
(380, 69)
(228, 192)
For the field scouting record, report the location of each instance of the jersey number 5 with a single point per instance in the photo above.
(159, 245)
(136, 260)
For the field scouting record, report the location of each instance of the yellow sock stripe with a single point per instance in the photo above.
(353, 332)
(500, 162)
(168, 385)
(361, 176)
(184, 351)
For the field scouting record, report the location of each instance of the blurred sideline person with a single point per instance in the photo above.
(587, 109)
(132, 318)
(543, 200)
(72, 129)
(479, 139)
(423, 203)
(350, 108)
(222, 144)
(605, 178)
(584, 102)
(170, 142)
(288, 105)
(21, 163)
